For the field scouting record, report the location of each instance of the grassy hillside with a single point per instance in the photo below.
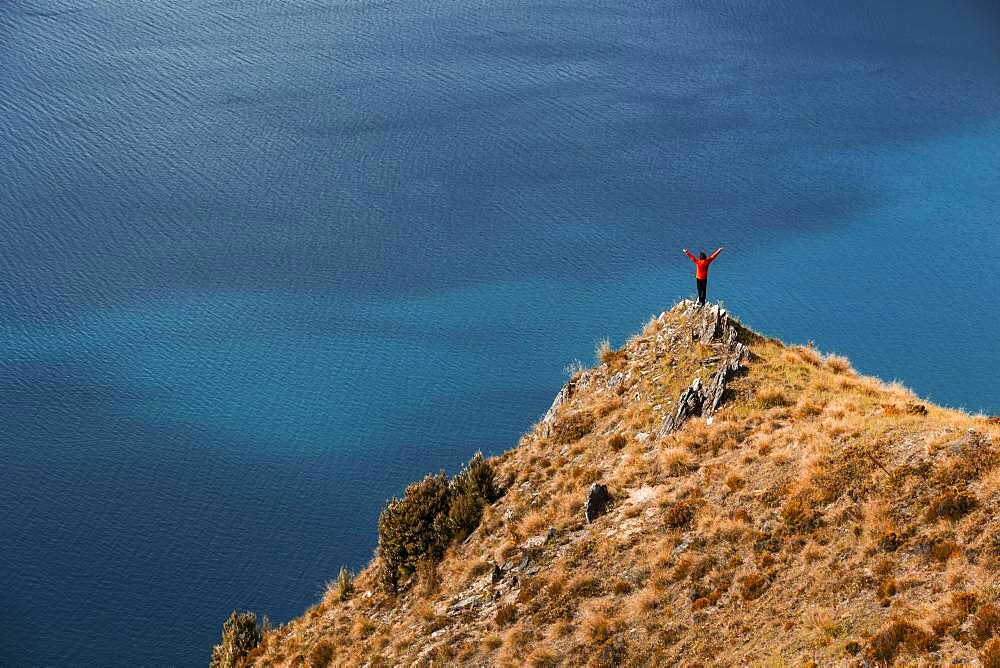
(815, 516)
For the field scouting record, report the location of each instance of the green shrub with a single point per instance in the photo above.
(431, 514)
(240, 635)
(345, 584)
(471, 491)
(464, 514)
(478, 476)
(414, 526)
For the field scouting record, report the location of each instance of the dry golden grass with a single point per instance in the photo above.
(534, 522)
(830, 517)
(838, 364)
(989, 655)
(597, 623)
(675, 461)
(772, 396)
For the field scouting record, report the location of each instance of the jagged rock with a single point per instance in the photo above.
(709, 327)
(550, 415)
(711, 324)
(459, 606)
(539, 540)
(688, 404)
(717, 385)
(497, 574)
(616, 380)
(598, 500)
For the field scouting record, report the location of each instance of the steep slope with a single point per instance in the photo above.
(768, 506)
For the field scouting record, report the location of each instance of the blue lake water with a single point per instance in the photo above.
(262, 264)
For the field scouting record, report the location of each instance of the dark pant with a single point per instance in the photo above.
(702, 289)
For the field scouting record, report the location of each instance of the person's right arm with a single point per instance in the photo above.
(688, 253)
(715, 254)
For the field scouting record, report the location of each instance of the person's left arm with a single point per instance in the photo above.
(715, 254)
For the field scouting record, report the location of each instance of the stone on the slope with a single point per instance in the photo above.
(616, 380)
(717, 385)
(550, 416)
(688, 405)
(598, 500)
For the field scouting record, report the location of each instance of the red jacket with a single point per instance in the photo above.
(701, 266)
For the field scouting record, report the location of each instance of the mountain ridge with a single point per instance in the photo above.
(705, 495)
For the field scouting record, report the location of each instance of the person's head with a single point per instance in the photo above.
(701, 255)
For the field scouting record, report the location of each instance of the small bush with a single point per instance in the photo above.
(752, 586)
(621, 586)
(345, 584)
(617, 442)
(321, 654)
(362, 628)
(464, 513)
(884, 645)
(680, 514)
(431, 514)
(543, 657)
(241, 634)
(675, 461)
(572, 428)
(886, 590)
(603, 350)
(986, 623)
(943, 549)
(990, 654)
(414, 527)
(506, 615)
(772, 396)
(799, 515)
(478, 477)
(734, 482)
(596, 628)
(838, 364)
(608, 355)
(583, 586)
(964, 602)
(428, 580)
(808, 408)
(951, 506)
(471, 491)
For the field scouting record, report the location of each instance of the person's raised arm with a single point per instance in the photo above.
(715, 254)
(688, 253)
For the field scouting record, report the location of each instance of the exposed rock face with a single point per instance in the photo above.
(689, 403)
(550, 415)
(598, 500)
(731, 368)
(709, 325)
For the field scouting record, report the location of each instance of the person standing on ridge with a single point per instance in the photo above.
(701, 271)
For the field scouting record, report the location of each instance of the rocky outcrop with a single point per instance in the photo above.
(710, 326)
(549, 419)
(716, 388)
(598, 500)
(688, 404)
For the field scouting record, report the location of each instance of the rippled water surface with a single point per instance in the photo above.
(263, 263)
